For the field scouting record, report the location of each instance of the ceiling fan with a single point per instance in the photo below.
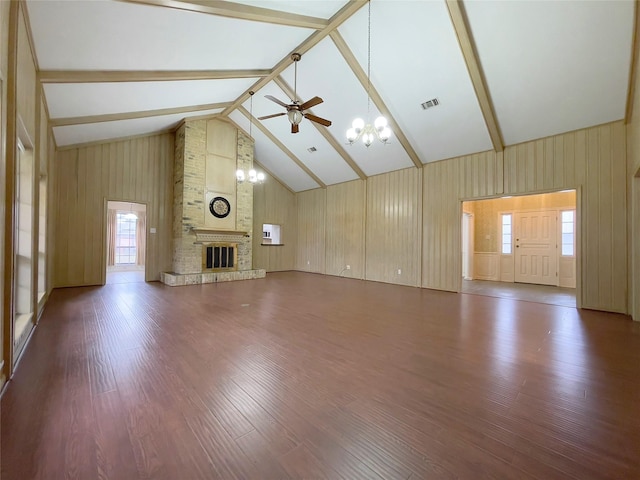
(296, 110)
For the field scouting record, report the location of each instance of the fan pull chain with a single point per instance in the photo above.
(251, 116)
(295, 81)
(369, 65)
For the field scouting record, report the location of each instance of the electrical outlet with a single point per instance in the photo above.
(348, 267)
(399, 271)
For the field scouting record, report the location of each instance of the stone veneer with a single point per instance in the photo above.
(189, 208)
(174, 280)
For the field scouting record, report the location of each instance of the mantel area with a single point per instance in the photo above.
(204, 235)
(205, 231)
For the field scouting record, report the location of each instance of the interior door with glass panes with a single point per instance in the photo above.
(536, 249)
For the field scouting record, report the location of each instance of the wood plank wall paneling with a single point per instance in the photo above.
(593, 159)
(441, 251)
(4, 40)
(633, 217)
(26, 86)
(52, 197)
(393, 237)
(136, 170)
(311, 213)
(634, 260)
(345, 226)
(273, 203)
(4, 63)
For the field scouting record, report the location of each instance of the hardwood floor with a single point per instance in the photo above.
(565, 297)
(308, 376)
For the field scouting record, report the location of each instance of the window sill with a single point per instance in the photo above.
(272, 244)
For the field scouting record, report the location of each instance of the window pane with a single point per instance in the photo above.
(125, 239)
(568, 232)
(506, 233)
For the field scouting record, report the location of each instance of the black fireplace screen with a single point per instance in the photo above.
(219, 257)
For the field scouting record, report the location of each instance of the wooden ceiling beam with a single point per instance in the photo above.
(239, 11)
(375, 96)
(107, 76)
(286, 88)
(633, 70)
(334, 22)
(94, 143)
(27, 22)
(112, 117)
(281, 145)
(470, 54)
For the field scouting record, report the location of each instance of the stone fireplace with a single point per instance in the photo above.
(210, 209)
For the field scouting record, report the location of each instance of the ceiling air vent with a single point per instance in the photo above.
(434, 102)
(312, 149)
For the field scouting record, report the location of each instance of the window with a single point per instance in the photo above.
(24, 231)
(126, 238)
(567, 219)
(506, 233)
(42, 238)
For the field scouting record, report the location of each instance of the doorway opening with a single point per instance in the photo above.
(522, 247)
(126, 242)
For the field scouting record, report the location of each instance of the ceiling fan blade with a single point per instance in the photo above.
(294, 128)
(311, 103)
(274, 99)
(319, 120)
(271, 116)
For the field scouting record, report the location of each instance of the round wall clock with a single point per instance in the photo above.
(219, 207)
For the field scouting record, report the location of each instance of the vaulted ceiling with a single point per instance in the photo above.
(504, 72)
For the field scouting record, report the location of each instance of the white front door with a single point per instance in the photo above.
(536, 247)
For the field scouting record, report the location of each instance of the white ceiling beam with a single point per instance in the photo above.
(93, 143)
(334, 22)
(239, 11)
(280, 145)
(286, 88)
(112, 117)
(361, 75)
(104, 76)
(27, 21)
(470, 54)
(633, 70)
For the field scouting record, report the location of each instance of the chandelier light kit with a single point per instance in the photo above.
(252, 175)
(365, 131)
